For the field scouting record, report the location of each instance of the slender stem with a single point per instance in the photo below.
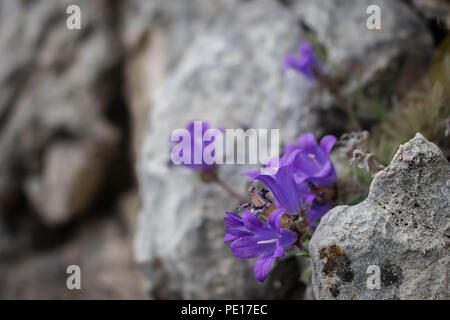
(281, 114)
(230, 191)
(332, 87)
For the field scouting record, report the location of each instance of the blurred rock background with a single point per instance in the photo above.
(81, 111)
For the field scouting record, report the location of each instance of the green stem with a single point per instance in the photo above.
(229, 190)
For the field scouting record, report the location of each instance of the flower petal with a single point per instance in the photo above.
(239, 231)
(290, 61)
(262, 267)
(233, 219)
(272, 184)
(306, 48)
(279, 250)
(235, 227)
(252, 222)
(282, 184)
(326, 177)
(307, 142)
(230, 238)
(317, 211)
(191, 126)
(252, 174)
(289, 148)
(275, 219)
(327, 143)
(251, 247)
(245, 248)
(287, 238)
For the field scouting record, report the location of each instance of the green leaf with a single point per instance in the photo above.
(303, 254)
(294, 251)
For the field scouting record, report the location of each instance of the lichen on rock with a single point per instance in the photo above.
(403, 227)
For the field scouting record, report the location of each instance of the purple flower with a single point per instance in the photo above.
(253, 238)
(191, 145)
(312, 161)
(303, 61)
(282, 184)
(313, 169)
(313, 195)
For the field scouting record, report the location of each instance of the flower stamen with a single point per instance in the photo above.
(267, 241)
(313, 158)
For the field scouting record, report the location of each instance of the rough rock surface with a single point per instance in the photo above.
(434, 9)
(235, 84)
(403, 227)
(385, 61)
(155, 36)
(58, 87)
(101, 247)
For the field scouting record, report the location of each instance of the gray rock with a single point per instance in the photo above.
(57, 87)
(180, 21)
(100, 247)
(155, 35)
(6, 239)
(434, 9)
(403, 227)
(72, 175)
(385, 61)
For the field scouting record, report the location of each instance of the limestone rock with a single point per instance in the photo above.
(385, 61)
(58, 87)
(403, 227)
(100, 247)
(155, 35)
(72, 174)
(435, 9)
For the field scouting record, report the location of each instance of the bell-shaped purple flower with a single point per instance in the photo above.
(191, 145)
(312, 162)
(303, 61)
(253, 238)
(313, 169)
(312, 195)
(282, 184)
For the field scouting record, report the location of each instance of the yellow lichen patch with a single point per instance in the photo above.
(322, 252)
(334, 251)
(335, 263)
